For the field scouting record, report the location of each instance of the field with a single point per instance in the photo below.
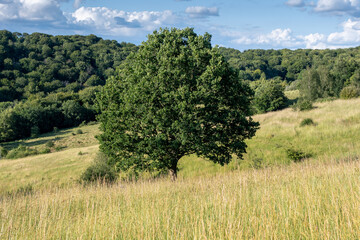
(265, 195)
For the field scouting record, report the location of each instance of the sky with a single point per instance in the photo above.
(239, 24)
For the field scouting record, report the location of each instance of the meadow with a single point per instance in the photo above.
(266, 195)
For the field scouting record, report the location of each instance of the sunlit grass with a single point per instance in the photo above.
(300, 201)
(336, 134)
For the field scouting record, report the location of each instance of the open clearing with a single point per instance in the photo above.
(315, 199)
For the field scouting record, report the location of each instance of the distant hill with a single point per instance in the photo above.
(49, 82)
(40, 64)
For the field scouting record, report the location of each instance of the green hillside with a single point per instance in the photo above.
(335, 136)
(265, 196)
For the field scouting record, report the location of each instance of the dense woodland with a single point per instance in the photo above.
(49, 82)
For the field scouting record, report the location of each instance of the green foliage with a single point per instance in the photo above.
(79, 131)
(100, 170)
(303, 105)
(3, 152)
(269, 96)
(20, 152)
(296, 155)
(307, 122)
(45, 150)
(350, 92)
(50, 144)
(29, 66)
(175, 96)
(35, 131)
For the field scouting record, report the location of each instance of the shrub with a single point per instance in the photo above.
(100, 170)
(79, 131)
(58, 148)
(303, 105)
(3, 152)
(307, 122)
(20, 152)
(350, 92)
(269, 96)
(55, 129)
(296, 155)
(49, 144)
(45, 150)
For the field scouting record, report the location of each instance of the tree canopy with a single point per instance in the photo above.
(176, 96)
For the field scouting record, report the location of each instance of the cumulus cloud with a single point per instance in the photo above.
(202, 12)
(349, 35)
(336, 7)
(279, 38)
(115, 22)
(33, 10)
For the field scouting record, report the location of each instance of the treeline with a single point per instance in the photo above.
(49, 82)
(316, 73)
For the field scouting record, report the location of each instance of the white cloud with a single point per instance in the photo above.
(34, 10)
(201, 12)
(280, 38)
(337, 7)
(349, 35)
(115, 22)
(277, 37)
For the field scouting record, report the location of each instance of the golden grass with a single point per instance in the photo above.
(316, 199)
(300, 201)
(46, 170)
(336, 135)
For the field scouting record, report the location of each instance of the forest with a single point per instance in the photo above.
(50, 82)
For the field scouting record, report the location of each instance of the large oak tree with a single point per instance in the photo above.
(175, 96)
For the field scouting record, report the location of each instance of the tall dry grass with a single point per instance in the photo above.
(300, 201)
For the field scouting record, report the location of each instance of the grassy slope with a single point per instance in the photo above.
(336, 136)
(54, 169)
(316, 199)
(301, 201)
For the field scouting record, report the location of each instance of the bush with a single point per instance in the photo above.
(79, 131)
(100, 170)
(307, 122)
(303, 105)
(350, 92)
(296, 155)
(49, 144)
(20, 152)
(45, 150)
(269, 96)
(3, 152)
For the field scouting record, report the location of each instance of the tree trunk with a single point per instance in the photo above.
(173, 174)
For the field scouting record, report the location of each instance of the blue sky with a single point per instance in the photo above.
(240, 24)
